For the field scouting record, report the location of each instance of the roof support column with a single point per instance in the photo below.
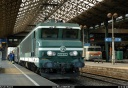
(106, 43)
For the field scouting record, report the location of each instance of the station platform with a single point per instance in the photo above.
(118, 70)
(16, 75)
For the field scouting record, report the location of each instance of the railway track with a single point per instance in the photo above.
(113, 81)
(70, 83)
(86, 79)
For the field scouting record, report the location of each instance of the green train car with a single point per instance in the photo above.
(53, 50)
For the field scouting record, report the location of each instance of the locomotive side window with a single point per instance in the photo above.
(46, 33)
(94, 49)
(70, 34)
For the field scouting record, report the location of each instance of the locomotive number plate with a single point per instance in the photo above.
(62, 54)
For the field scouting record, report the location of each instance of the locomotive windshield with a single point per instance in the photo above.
(59, 33)
(50, 34)
(70, 34)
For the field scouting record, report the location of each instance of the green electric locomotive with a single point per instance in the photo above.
(53, 50)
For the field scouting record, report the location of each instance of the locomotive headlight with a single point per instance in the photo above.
(75, 53)
(50, 53)
(53, 53)
(71, 53)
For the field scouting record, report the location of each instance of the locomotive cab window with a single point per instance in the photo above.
(70, 34)
(50, 33)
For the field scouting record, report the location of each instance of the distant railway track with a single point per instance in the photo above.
(114, 81)
(68, 82)
(86, 79)
(82, 80)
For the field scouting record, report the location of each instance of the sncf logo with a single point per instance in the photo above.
(62, 48)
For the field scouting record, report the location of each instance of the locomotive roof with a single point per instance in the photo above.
(40, 25)
(58, 24)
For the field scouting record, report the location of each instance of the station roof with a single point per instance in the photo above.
(20, 16)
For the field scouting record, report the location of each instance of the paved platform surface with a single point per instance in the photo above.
(117, 70)
(16, 75)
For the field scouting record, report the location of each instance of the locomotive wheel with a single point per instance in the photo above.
(22, 63)
(38, 71)
(41, 71)
(26, 64)
(19, 63)
(33, 67)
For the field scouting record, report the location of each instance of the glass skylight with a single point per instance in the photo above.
(34, 11)
(75, 7)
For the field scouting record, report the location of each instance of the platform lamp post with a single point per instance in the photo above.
(83, 28)
(110, 15)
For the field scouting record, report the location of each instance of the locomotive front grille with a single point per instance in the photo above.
(62, 54)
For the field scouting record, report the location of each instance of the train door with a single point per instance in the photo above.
(34, 45)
